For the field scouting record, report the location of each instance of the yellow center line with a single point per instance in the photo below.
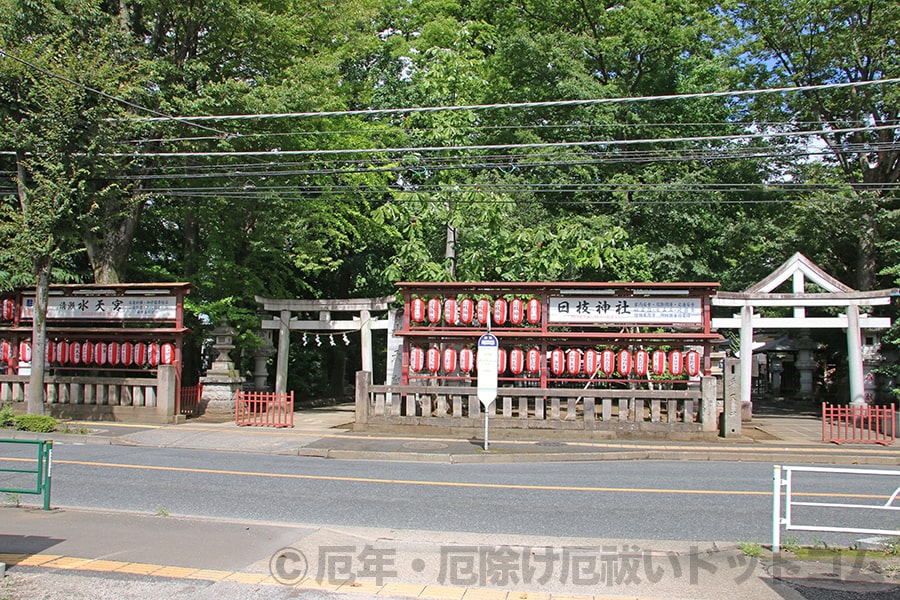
(459, 484)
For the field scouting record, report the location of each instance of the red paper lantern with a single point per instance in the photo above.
(501, 360)
(9, 309)
(433, 359)
(516, 311)
(153, 354)
(416, 359)
(623, 364)
(607, 362)
(533, 311)
(24, 351)
(167, 353)
(101, 353)
(500, 311)
(482, 311)
(126, 353)
(641, 363)
(5, 351)
(49, 352)
(533, 360)
(139, 354)
(658, 362)
(573, 361)
(448, 360)
(591, 361)
(676, 363)
(86, 353)
(466, 310)
(62, 352)
(557, 361)
(692, 363)
(466, 360)
(434, 310)
(451, 311)
(417, 310)
(113, 353)
(517, 361)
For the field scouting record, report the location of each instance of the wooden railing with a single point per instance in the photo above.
(623, 410)
(189, 400)
(134, 399)
(99, 391)
(864, 424)
(264, 409)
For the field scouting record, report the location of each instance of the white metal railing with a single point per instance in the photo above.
(789, 503)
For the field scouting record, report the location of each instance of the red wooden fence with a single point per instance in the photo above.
(189, 400)
(851, 424)
(264, 409)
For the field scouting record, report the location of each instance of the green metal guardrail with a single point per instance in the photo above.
(42, 470)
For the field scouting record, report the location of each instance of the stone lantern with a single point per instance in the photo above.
(221, 380)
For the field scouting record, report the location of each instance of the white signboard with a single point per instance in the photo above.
(614, 309)
(112, 308)
(488, 363)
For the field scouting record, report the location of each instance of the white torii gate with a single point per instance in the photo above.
(285, 323)
(799, 269)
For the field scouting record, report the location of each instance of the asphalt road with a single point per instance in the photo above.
(646, 500)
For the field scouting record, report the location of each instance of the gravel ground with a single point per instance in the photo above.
(28, 584)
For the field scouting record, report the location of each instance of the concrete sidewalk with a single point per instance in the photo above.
(70, 554)
(327, 432)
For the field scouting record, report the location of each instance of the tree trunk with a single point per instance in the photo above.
(35, 398)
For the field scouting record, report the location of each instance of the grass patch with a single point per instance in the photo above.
(751, 549)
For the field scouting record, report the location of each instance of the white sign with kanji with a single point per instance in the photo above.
(113, 308)
(619, 309)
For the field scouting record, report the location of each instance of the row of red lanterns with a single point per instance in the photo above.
(87, 353)
(573, 362)
(468, 311)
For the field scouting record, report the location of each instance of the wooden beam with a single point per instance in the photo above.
(347, 305)
(838, 322)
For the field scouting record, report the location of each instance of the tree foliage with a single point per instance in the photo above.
(311, 183)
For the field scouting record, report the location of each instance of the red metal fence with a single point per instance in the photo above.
(850, 424)
(265, 409)
(189, 400)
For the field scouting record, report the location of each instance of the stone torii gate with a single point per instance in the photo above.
(800, 269)
(284, 322)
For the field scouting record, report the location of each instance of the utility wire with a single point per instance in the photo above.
(458, 148)
(553, 103)
(159, 115)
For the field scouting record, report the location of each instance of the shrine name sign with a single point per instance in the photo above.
(625, 310)
(102, 308)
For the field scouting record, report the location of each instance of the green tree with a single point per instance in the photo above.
(61, 64)
(821, 42)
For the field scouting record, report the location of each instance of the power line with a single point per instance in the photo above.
(552, 103)
(456, 148)
(160, 115)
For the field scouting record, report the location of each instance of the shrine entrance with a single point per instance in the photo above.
(316, 318)
(801, 272)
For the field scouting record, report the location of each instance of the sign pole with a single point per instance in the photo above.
(488, 364)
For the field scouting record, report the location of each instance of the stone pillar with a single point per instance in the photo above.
(854, 356)
(733, 408)
(261, 360)
(708, 404)
(284, 345)
(871, 351)
(746, 354)
(166, 400)
(806, 364)
(221, 380)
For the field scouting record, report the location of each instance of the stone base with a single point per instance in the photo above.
(218, 396)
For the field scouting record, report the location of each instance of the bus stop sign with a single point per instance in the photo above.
(487, 363)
